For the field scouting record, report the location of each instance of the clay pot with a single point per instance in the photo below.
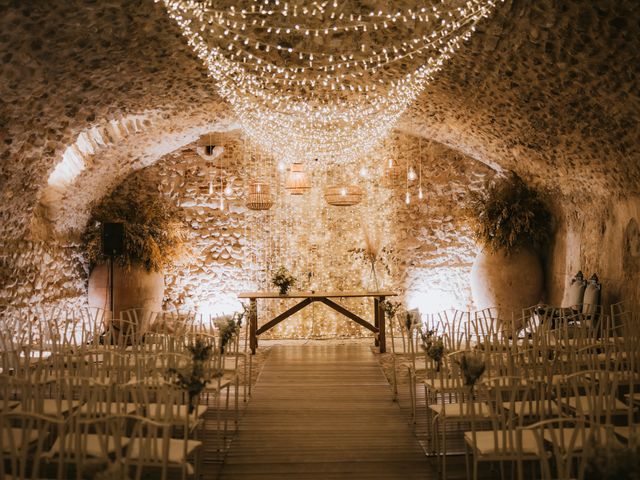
(133, 287)
(507, 282)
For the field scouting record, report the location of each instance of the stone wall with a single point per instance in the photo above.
(546, 88)
(426, 250)
(35, 272)
(600, 237)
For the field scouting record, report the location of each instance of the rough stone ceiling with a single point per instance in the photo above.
(548, 88)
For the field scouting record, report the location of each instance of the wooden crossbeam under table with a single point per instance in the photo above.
(378, 328)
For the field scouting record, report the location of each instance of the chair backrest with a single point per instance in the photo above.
(508, 398)
(148, 446)
(25, 436)
(597, 391)
(568, 438)
(94, 444)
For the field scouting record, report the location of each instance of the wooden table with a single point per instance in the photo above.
(324, 297)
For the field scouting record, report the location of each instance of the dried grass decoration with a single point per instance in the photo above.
(371, 253)
(154, 231)
(507, 215)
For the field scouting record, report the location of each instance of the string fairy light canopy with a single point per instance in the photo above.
(323, 79)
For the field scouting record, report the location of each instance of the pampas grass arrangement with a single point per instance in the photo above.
(154, 231)
(372, 252)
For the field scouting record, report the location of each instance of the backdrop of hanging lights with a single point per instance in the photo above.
(324, 80)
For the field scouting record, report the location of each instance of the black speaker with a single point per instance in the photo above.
(113, 238)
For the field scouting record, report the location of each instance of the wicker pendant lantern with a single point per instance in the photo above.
(343, 195)
(297, 182)
(259, 197)
(393, 173)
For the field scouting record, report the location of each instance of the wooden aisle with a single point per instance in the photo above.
(324, 412)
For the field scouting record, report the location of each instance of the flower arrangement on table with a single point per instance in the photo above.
(283, 280)
(433, 346)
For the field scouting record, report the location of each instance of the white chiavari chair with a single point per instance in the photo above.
(180, 417)
(497, 436)
(455, 403)
(592, 395)
(87, 445)
(414, 364)
(564, 439)
(56, 397)
(23, 440)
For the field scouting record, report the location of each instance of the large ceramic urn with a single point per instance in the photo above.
(508, 282)
(133, 287)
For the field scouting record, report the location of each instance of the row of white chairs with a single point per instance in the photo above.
(66, 382)
(556, 347)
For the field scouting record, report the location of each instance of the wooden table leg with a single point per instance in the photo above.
(376, 319)
(382, 335)
(253, 325)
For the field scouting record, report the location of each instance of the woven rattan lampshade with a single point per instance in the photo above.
(259, 197)
(297, 181)
(343, 195)
(393, 173)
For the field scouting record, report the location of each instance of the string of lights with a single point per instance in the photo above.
(278, 66)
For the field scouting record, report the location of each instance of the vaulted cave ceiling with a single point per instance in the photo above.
(546, 88)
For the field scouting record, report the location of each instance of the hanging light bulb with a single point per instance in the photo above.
(407, 198)
(281, 167)
(412, 174)
(221, 202)
(210, 186)
(364, 173)
(228, 190)
(420, 194)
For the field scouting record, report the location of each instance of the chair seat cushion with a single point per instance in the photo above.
(458, 410)
(582, 405)
(18, 437)
(502, 443)
(152, 450)
(529, 409)
(93, 445)
(109, 408)
(51, 407)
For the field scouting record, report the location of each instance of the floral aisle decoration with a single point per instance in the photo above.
(433, 346)
(154, 231)
(229, 328)
(283, 280)
(411, 320)
(613, 462)
(194, 378)
(472, 366)
(390, 308)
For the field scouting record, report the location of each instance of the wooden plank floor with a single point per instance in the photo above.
(324, 412)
